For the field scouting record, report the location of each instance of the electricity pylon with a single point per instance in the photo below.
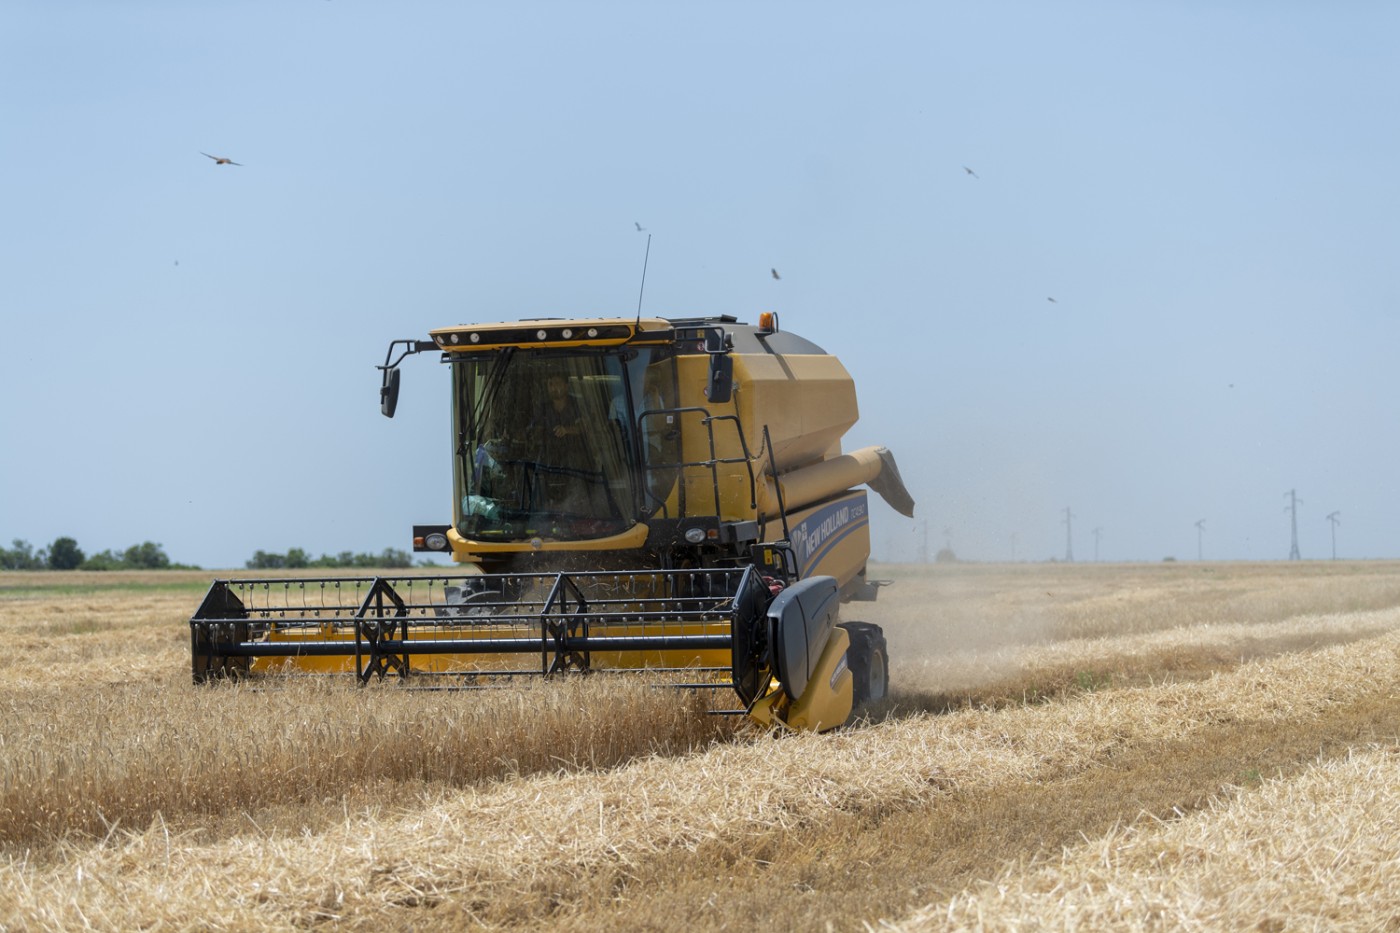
(1069, 537)
(1335, 520)
(1292, 507)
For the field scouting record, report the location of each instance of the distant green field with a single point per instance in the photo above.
(41, 584)
(36, 585)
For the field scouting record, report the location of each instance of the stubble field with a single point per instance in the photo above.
(1136, 747)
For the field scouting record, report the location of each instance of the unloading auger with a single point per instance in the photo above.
(652, 495)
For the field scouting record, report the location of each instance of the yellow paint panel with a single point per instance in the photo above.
(467, 662)
(464, 549)
(827, 701)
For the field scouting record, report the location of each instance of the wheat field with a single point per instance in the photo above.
(1068, 747)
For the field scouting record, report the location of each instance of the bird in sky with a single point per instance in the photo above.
(640, 228)
(971, 172)
(220, 160)
(1052, 301)
(775, 273)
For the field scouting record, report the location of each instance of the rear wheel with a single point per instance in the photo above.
(869, 660)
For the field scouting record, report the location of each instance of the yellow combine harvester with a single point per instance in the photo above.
(649, 494)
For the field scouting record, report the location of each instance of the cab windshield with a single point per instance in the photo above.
(563, 445)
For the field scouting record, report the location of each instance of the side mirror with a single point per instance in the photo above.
(389, 392)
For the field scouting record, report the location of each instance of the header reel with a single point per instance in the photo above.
(723, 623)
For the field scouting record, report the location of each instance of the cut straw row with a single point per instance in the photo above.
(1320, 851)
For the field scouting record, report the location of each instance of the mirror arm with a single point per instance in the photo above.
(410, 347)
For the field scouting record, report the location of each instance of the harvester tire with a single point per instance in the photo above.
(869, 660)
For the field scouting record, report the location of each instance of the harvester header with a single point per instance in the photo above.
(663, 494)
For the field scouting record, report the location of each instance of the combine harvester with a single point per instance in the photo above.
(649, 495)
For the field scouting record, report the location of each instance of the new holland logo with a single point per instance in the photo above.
(823, 529)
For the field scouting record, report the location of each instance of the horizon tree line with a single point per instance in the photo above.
(65, 554)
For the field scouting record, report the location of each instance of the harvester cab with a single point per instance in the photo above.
(654, 494)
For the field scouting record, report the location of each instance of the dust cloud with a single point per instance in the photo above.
(956, 631)
(967, 634)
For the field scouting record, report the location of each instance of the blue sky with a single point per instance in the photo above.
(1206, 190)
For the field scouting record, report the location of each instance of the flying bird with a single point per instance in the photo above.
(220, 160)
(1052, 300)
(775, 273)
(971, 172)
(640, 228)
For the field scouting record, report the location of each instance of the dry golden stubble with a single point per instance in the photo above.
(78, 761)
(498, 844)
(855, 866)
(1319, 850)
(78, 641)
(374, 811)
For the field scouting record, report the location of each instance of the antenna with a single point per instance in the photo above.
(1069, 538)
(645, 259)
(1200, 530)
(1292, 494)
(1335, 520)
